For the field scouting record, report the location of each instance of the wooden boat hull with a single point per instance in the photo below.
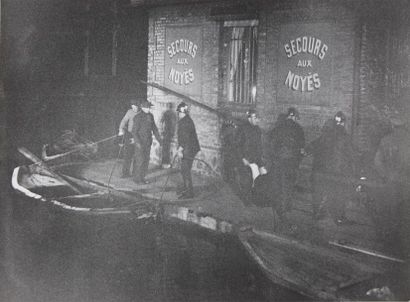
(312, 271)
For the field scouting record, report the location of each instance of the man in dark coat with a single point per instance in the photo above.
(333, 166)
(142, 130)
(248, 145)
(188, 147)
(288, 141)
(168, 122)
(125, 132)
(228, 150)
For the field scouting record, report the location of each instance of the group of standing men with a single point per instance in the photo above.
(333, 161)
(137, 128)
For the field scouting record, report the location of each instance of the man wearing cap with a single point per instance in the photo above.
(125, 130)
(188, 147)
(248, 145)
(332, 169)
(168, 122)
(142, 130)
(288, 141)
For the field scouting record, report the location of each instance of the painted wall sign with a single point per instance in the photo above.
(302, 46)
(183, 59)
(305, 63)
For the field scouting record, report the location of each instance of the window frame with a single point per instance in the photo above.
(247, 82)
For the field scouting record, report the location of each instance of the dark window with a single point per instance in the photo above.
(242, 56)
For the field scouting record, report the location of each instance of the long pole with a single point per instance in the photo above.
(186, 98)
(78, 149)
(364, 251)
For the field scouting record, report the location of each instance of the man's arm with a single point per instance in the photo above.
(239, 143)
(123, 124)
(135, 128)
(301, 137)
(155, 130)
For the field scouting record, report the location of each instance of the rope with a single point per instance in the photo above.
(115, 164)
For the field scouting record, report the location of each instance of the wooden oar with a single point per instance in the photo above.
(365, 251)
(218, 111)
(184, 97)
(36, 160)
(78, 149)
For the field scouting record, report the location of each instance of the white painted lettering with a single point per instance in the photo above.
(311, 44)
(185, 77)
(298, 47)
(170, 51)
(182, 46)
(288, 51)
(304, 44)
(171, 74)
(295, 85)
(190, 48)
(317, 47)
(194, 50)
(316, 80)
(292, 44)
(303, 82)
(191, 75)
(323, 51)
(310, 83)
(289, 79)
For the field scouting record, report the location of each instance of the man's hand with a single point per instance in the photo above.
(179, 152)
(120, 132)
(263, 171)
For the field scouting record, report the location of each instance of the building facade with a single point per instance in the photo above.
(319, 56)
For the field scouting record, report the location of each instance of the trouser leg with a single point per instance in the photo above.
(244, 183)
(339, 195)
(128, 157)
(287, 182)
(166, 147)
(289, 188)
(138, 160)
(186, 165)
(318, 195)
(146, 150)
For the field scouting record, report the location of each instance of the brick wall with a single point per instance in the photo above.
(355, 75)
(207, 124)
(314, 107)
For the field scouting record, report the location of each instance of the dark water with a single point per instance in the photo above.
(64, 256)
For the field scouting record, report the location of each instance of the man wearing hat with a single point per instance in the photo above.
(188, 147)
(142, 130)
(124, 131)
(333, 167)
(288, 141)
(248, 145)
